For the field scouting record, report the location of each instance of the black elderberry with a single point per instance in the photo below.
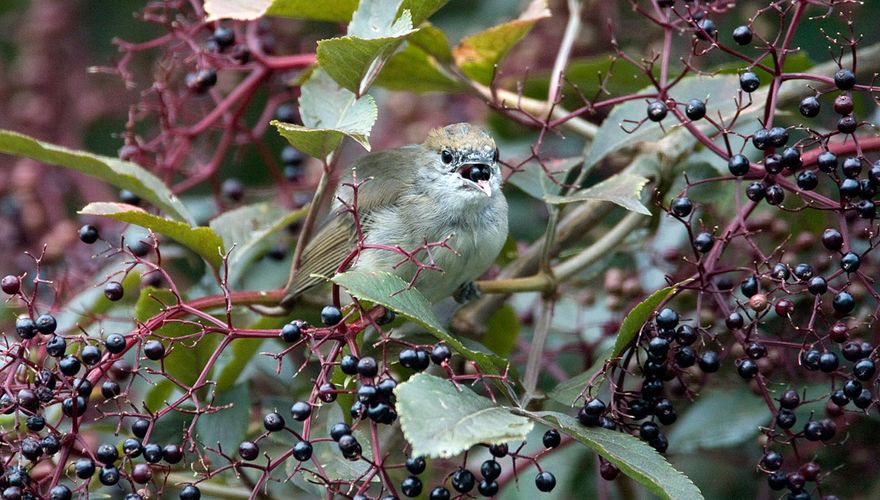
(657, 111)
(56, 346)
(789, 400)
(847, 124)
(115, 343)
(785, 419)
(113, 291)
(777, 480)
(771, 461)
(852, 167)
(88, 234)
(774, 195)
(742, 35)
(839, 398)
(827, 162)
(832, 239)
(551, 438)
(738, 165)
(440, 353)
(685, 357)
(154, 350)
(84, 468)
(273, 422)
(110, 389)
(490, 469)
(850, 262)
(223, 37)
(682, 207)
(810, 359)
(756, 350)
(46, 324)
(90, 355)
(747, 369)
(69, 365)
(331, 316)
(411, 486)
(292, 332)
(190, 492)
(695, 110)
(709, 362)
(703, 242)
(777, 137)
(350, 447)
(302, 451)
(844, 79)
(761, 139)
(864, 399)
(849, 189)
(817, 285)
(463, 481)
(866, 209)
(810, 107)
(807, 180)
(828, 362)
(545, 481)
(843, 303)
(749, 82)
(415, 465)
(756, 191)
(864, 369)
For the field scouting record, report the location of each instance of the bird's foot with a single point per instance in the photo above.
(467, 292)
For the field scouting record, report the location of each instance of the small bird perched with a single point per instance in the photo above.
(447, 187)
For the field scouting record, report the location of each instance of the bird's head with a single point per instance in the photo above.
(465, 161)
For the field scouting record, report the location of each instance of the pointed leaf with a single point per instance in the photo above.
(741, 411)
(245, 10)
(329, 113)
(390, 291)
(466, 419)
(374, 34)
(477, 55)
(121, 174)
(621, 189)
(568, 391)
(433, 42)
(201, 240)
(633, 457)
(412, 70)
(245, 229)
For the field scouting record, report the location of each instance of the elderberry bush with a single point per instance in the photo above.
(686, 305)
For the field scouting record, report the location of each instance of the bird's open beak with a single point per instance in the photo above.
(478, 180)
(485, 187)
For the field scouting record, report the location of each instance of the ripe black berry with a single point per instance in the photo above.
(56, 346)
(849, 189)
(657, 111)
(761, 139)
(88, 234)
(828, 362)
(488, 488)
(154, 350)
(703, 242)
(439, 493)
(777, 137)
(742, 35)
(152, 453)
(223, 37)
(338, 430)
(415, 359)
(807, 180)
(490, 470)
(331, 316)
(60, 492)
(90, 354)
(866, 209)
(810, 107)
(200, 81)
(707, 30)
(69, 365)
(843, 104)
(440, 353)
(302, 451)
(132, 447)
(773, 164)
(129, 198)
(107, 454)
(350, 447)
(499, 450)
(847, 124)
(348, 363)
(415, 465)
(411, 486)
(46, 324)
(827, 161)
(463, 481)
(756, 191)
(771, 461)
(839, 398)
(25, 327)
(115, 343)
(791, 158)
(749, 82)
(817, 285)
(695, 110)
(545, 481)
(832, 239)
(190, 492)
(850, 262)
(709, 362)
(84, 468)
(844, 79)
(74, 406)
(813, 430)
(113, 291)
(747, 369)
(368, 367)
(738, 165)
(852, 167)
(864, 369)
(810, 359)
(110, 389)
(843, 303)
(273, 422)
(785, 419)
(682, 207)
(551, 438)
(774, 195)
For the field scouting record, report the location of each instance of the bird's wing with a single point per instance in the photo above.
(391, 173)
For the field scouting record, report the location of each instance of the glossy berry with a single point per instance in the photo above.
(807, 180)
(25, 327)
(839, 398)
(864, 369)
(223, 37)
(88, 234)
(200, 81)
(866, 209)
(439, 493)
(685, 357)
(499, 450)
(545, 481)
(350, 447)
(749, 82)
(440, 353)
(490, 470)
(551, 438)
(56, 346)
(90, 355)
(864, 399)
(338, 430)
(69, 365)
(331, 316)
(463, 481)
(709, 362)
(273, 422)
(785, 419)
(828, 362)
(657, 111)
(844, 79)
(74, 406)
(852, 167)
(115, 343)
(415, 465)
(411, 486)
(817, 285)
(46, 324)
(682, 207)
(738, 165)
(850, 262)
(695, 110)
(761, 139)
(302, 451)
(348, 364)
(113, 291)
(747, 369)
(843, 104)
(707, 30)
(368, 367)
(109, 475)
(10, 284)
(777, 137)
(415, 359)
(849, 189)
(703, 242)
(367, 393)
(847, 124)
(810, 107)
(190, 492)
(791, 158)
(154, 350)
(843, 303)
(832, 239)
(742, 35)
(773, 164)
(774, 195)
(756, 191)
(107, 454)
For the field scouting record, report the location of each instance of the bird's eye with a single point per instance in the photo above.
(446, 156)
(495, 158)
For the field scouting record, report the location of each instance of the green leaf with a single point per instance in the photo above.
(502, 330)
(466, 419)
(122, 174)
(245, 229)
(740, 410)
(477, 55)
(185, 361)
(226, 426)
(201, 240)
(390, 291)
(535, 182)
(621, 189)
(719, 89)
(246, 10)
(329, 113)
(374, 34)
(633, 457)
(568, 391)
(412, 70)
(422, 9)
(433, 42)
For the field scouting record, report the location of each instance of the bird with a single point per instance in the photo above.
(448, 188)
